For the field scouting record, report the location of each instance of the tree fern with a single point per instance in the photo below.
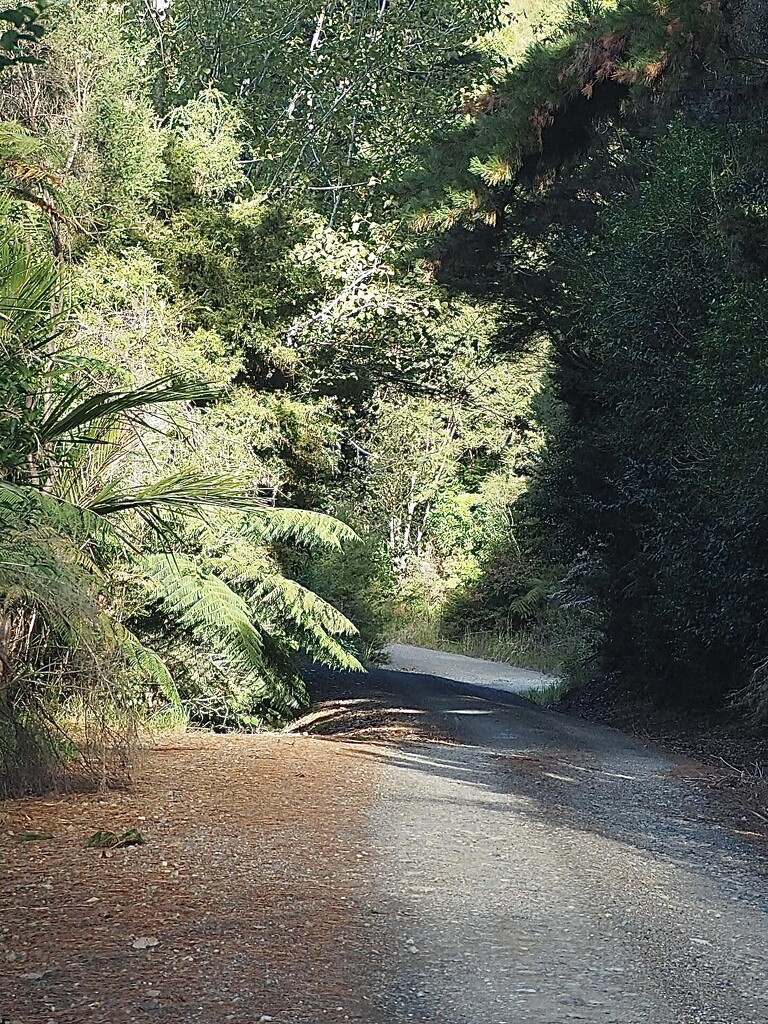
(208, 607)
(43, 568)
(538, 591)
(316, 625)
(300, 526)
(255, 639)
(149, 665)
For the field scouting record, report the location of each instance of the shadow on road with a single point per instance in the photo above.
(506, 754)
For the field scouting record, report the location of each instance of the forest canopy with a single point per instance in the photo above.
(327, 324)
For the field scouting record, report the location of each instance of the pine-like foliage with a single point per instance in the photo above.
(602, 60)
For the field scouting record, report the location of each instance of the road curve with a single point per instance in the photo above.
(541, 870)
(499, 674)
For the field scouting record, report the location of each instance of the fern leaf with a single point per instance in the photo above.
(538, 591)
(312, 623)
(313, 529)
(149, 664)
(206, 605)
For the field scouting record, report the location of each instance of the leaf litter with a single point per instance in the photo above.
(245, 903)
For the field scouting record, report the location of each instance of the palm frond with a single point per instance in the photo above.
(81, 526)
(28, 284)
(73, 412)
(40, 571)
(182, 491)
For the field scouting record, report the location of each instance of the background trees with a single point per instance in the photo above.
(380, 265)
(631, 237)
(323, 88)
(651, 489)
(212, 305)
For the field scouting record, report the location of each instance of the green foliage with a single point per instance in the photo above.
(89, 107)
(651, 487)
(442, 474)
(204, 147)
(91, 527)
(322, 88)
(599, 61)
(22, 27)
(360, 581)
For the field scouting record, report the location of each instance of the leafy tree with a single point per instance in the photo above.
(650, 488)
(322, 85)
(95, 537)
(23, 27)
(87, 106)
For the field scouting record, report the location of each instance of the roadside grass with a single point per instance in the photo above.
(168, 719)
(524, 648)
(549, 695)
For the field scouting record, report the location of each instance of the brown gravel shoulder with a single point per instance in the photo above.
(246, 894)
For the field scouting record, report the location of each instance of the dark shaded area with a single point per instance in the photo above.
(576, 775)
(715, 737)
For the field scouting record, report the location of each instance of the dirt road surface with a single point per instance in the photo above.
(530, 869)
(498, 674)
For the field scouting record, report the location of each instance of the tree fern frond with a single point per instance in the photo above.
(149, 664)
(301, 605)
(313, 624)
(206, 605)
(314, 529)
(327, 650)
(538, 591)
(287, 689)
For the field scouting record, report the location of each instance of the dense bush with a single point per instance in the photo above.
(652, 487)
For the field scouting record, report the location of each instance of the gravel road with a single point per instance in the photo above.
(536, 870)
(543, 870)
(499, 674)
